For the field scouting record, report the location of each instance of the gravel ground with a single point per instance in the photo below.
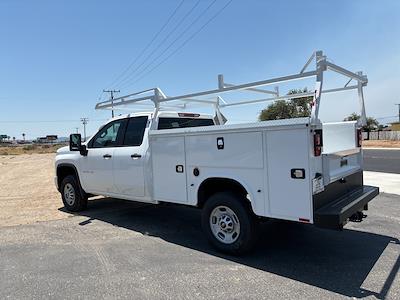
(27, 190)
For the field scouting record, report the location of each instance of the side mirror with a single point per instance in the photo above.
(75, 144)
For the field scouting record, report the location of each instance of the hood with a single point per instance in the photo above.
(63, 149)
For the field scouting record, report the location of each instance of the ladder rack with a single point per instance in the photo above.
(158, 100)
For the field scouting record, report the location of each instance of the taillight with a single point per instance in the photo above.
(359, 137)
(317, 142)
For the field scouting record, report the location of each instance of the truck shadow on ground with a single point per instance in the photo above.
(336, 261)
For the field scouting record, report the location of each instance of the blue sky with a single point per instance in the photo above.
(57, 56)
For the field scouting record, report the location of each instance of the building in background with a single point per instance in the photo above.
(48, 139)
(395, 126)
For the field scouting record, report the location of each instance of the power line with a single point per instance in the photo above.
(388, 117)
(160, 44)
(184, 43)
(148, 45)
(178, 38)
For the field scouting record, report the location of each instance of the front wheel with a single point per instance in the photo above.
(228, 224)
(71, 194)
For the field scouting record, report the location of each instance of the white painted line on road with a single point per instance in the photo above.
(387, 182)
(379, 148)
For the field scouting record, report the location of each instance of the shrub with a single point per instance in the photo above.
(29, 147)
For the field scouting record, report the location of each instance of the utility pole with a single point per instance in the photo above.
(77, 129)
(111, 98)
(84, 122)
(398, 104)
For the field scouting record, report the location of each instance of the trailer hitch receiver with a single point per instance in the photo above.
(357, 217)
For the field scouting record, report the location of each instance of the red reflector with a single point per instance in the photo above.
(190, 115)
(304, 220)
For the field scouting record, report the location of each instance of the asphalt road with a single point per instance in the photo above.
(387, 161)
(120, 249)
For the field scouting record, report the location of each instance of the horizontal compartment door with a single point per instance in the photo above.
(341, 164)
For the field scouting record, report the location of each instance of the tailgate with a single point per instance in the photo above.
(341, 156)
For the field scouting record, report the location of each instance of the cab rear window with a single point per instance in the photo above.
(171, 123)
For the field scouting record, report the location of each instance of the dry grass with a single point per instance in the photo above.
(381, 144)
(27, 190)
(29, 149)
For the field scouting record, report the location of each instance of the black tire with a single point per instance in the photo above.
(245, 239)
(70, 186)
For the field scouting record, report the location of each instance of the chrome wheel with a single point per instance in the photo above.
(224, 224)
(69, 194)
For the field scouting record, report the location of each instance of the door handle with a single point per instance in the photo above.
(136, 155)
(107, 156)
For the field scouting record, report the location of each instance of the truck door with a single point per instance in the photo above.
(129, 159)
(97, 166)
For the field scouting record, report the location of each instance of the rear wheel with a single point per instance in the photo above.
(228, 224)
(71, 194)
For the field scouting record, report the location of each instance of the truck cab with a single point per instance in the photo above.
(116, 157)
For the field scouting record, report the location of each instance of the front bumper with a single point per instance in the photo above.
(341, 200)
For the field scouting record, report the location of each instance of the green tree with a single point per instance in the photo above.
(372, 124)
(283, 109)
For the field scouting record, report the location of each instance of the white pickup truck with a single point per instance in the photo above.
(291, 169)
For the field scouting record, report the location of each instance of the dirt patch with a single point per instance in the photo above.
(381, 144)
(27, 190)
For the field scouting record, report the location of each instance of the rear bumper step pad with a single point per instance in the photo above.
(335, 214)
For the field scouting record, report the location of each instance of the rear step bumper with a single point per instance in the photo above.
(335, 214)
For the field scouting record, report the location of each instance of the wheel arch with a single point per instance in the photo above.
(212, 185)
(66, 169)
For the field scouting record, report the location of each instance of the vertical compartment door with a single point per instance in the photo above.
(287, 151)
(169, 168)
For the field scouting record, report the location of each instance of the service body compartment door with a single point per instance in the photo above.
(169, 168)
(342, 156)
(288, 152)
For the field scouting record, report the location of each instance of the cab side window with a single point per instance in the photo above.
(135, 131)
(110, 135)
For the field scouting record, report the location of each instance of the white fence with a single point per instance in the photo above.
(382, 135)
